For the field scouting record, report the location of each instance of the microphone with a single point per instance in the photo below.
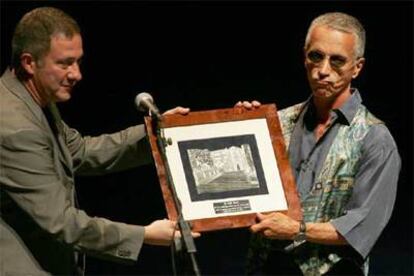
(144, 102)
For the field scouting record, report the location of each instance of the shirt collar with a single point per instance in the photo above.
(345, 113)
(348, 110)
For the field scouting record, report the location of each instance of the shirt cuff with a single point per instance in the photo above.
(346, 225)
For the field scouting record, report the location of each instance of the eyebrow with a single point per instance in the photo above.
(70, 60)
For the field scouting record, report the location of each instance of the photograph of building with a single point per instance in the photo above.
(225, 169)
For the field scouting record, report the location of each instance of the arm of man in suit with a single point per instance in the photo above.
(107, 153)
(33, 177)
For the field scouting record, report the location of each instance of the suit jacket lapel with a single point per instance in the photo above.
(60, 137)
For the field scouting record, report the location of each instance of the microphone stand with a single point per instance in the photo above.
(184, 226)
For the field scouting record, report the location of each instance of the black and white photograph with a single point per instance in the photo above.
(233, 163)
(222, 167)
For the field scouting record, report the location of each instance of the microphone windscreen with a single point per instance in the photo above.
(141, 99)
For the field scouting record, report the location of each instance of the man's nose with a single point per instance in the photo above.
(324, 68)
(75, 72)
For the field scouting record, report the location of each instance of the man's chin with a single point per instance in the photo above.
(62, 97)
(322, 93)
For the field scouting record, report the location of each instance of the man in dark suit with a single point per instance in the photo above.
(41, 228)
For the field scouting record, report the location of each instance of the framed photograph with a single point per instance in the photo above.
(225, 166)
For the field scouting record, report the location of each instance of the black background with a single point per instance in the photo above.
(209, 55)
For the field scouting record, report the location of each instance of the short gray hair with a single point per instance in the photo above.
(344, 23)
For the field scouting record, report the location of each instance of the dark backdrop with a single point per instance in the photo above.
(208, 55)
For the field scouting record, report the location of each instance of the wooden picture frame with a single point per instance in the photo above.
(226, 165)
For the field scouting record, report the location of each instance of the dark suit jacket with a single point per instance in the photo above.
(40, 227)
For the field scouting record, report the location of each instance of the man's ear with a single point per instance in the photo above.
(28, 63)
(358, 67)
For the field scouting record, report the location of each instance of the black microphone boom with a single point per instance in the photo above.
(144, 102)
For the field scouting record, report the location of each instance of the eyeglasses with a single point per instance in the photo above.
(336, 61)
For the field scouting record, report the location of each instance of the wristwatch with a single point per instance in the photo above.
(299, 238)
